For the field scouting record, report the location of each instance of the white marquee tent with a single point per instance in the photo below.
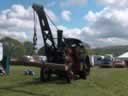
(124, 56)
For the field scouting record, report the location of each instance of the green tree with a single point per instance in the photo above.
(28, 48)
(41, 51)
(12, 47)
(89, 51)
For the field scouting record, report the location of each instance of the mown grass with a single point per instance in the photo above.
(102, 82)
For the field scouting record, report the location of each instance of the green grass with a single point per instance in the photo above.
(102, 82)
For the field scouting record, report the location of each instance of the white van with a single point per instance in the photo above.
(92, 61)
(1, 51)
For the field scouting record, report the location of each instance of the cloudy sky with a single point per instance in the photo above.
(97, 22)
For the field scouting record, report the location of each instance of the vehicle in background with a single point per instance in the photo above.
(119, 63)
(107, 61)
(40, 59)
(91, 60)
(1, 51)
(123, 57)
(2, 71)
(98, 59)
(34, 58)
(27, 59)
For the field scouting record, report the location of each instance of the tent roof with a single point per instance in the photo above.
(124, 55)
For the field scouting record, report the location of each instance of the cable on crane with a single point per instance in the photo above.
(52, 21)
(35, 30)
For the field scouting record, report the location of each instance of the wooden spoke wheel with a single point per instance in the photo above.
(83, 74)
(45, 74)
(68, 77)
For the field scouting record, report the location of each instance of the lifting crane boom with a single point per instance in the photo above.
(51, 50)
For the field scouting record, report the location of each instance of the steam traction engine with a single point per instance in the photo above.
(55, 53)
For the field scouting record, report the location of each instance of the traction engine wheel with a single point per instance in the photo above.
(68, 77)
(45, 74)
(83, 74)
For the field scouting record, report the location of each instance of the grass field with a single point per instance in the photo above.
(102, 82)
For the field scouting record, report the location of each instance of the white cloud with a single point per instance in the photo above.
(114, 3)
(90, 16)
(15, 35)
(17, 22)
(66, 15)
(109, 26)
(106, 27)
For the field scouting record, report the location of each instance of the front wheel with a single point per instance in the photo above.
(69, 76)
(83, 74)
(44, 74)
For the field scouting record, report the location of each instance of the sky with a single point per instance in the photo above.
(99, 23)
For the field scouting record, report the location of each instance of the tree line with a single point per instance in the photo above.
(115, 50)
(17, 49)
